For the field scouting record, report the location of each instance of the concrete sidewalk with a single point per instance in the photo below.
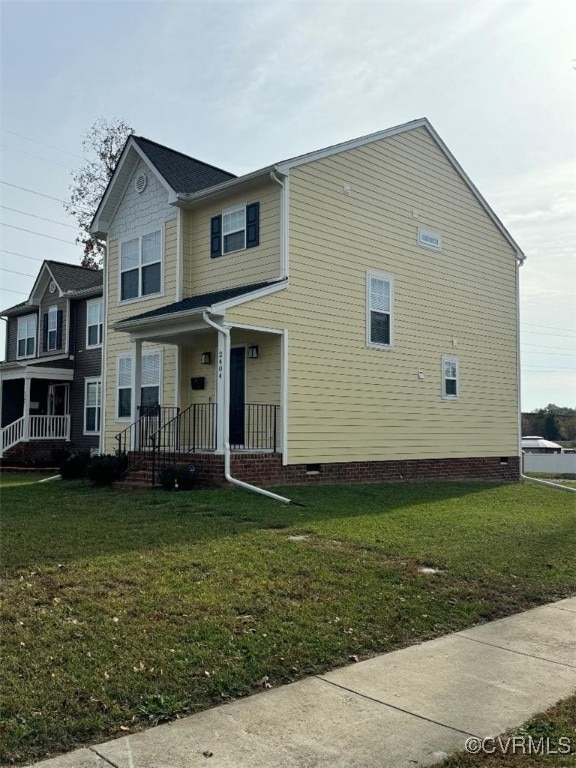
(400, 710)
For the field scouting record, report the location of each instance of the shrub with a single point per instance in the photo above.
(181, 477)
(75, 467)
(58, 456)
(105, 469)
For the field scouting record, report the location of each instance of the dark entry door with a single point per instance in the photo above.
(237, 394)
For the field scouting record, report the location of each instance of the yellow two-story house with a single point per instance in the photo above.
(347, 315)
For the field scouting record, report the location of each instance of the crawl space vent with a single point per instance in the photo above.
(140, 183)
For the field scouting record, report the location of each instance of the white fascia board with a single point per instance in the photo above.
(221, 189)
(222, 306)
(34, 372)
(177, 327)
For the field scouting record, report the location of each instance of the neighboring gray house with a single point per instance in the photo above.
(50, 381)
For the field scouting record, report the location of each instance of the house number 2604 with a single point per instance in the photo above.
(220, 364)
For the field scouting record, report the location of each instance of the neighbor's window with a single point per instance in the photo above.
(141, 266)
(124, 408)
(94, 323)
(379, 315)
(450, 378)
(150, 392)
(92, 406)
(26, 338)
(52, 323)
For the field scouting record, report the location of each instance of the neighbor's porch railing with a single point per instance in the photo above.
(11, 435)
(49, 427)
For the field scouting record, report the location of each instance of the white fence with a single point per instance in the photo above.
(561, 463)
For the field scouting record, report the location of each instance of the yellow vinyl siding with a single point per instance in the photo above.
(251, 265)
(349, 402)
(118, 343)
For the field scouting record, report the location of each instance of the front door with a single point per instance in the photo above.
(58, 399)
(237, 395)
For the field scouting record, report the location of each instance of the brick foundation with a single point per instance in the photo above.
(33, 452)
(267, 470)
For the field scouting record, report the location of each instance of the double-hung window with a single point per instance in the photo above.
(92, 406)
(141, 266)
(52, 325)
(379, 311)
(94, 323)
(450, 378)
(149, 385)
(235, 229)
(26, 337)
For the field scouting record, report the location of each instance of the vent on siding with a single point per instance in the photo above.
(429, 239)
(140, 183)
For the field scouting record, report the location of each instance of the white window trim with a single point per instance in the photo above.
(52, 311)
(122, 355)
(19, 337)
(379, 276)
(451, 359)
(101, 324)
(234, 209)
(429, 233)
(87, 381)
(139, 237)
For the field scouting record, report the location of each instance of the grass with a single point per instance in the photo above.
(553, 731)
(124, 609)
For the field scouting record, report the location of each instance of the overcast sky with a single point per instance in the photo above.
(244, 84)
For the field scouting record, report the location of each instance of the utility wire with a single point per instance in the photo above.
(42, 143)
(36, 157)
(11, 290)
(12, 272)
(23, 255)
(40, 234)
(553, 328)
(34, 216)
(33, 191)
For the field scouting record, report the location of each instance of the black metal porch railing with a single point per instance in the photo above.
(137, 436)
(254, 427)
(192, 430)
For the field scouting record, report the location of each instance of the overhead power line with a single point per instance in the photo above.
(12, 272)
(33, 191)
(43, 144)
(34, 216)
(40, 234)
(551, 327)
(36, 157)
(11, 290)
(23, 255)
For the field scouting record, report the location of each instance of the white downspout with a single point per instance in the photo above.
(225, 332)
(535, 480)
(283, 224)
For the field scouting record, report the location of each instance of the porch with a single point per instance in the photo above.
(34, 406)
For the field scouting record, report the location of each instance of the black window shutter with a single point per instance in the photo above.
(59, 318)
(252, 225)
(45, 332)
(215, 236)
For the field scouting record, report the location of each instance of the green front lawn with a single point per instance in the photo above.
(123, 609)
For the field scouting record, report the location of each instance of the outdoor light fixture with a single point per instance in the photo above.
(205, 358)
(253, 351)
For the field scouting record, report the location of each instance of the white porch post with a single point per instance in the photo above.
(221, 370)
(26, 410)
(137, 392)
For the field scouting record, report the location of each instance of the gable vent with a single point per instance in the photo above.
(140, 183)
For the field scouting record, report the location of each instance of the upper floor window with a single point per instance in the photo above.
(141, 266)
(26, 337)
(450, 378)
(379, 311)
(52, 326)
(235, 229)
(94, 323)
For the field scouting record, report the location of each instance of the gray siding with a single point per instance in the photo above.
(87, 364)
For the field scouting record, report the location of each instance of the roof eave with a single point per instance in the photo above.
(186, 199)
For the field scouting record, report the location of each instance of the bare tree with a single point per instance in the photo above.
(103, 143)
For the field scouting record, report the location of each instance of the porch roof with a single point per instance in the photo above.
(200, 303)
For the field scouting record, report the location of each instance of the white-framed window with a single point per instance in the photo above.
(94, 323)
(429, 239)
(92, 406)
(150, 383)
(234, 229)
(450, 377)
(379, 310)
(52, 322)
(141, 266)
(26, 336)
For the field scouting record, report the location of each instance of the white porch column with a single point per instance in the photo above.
(26, 410)
(137, 384)
(221, 370)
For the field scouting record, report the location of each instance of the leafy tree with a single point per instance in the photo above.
(103, 143)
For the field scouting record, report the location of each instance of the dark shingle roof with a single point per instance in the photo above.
(71, 277)
(183, 173)
(17, 308)
(202, 301)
